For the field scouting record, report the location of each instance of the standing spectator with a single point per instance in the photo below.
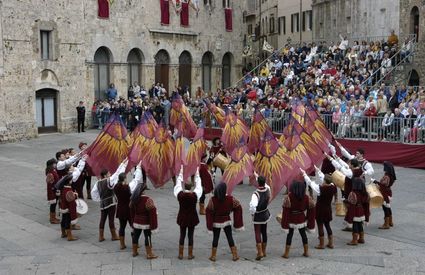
(166, 106)
(386, 125)
(336, 117)
(81, 115)
(418, 132)
(392, 39)
(136, 89)
(111, 93)
(393, 101)
(130, 92)
(398, 119)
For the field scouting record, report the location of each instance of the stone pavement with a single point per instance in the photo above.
(30, 245)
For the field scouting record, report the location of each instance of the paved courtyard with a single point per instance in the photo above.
(29, 244)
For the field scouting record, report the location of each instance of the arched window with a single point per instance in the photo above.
(185, 70)
(207, 61)
(134, 60)
(162, 68)
(102, 60)
(414, 22)
(226, 72)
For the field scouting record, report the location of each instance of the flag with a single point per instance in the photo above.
(103, 8)
(195, 152)
(228, 18)
(234, 132)
(247, 51)
(273, 163)
(324, 135)
(258, 129)
(180, 114)
(177, 5)
(179, 155)
(142, 137)
(184, 14)
(218, 113)
(165, 12)
(110, 147)
(267, 47)
(160, 157)
(241, 166)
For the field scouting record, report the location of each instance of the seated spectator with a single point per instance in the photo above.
(386, 126)
(398, 121)
(409, 121)
(418, 131)
(392, 39)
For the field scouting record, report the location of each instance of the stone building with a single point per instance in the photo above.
(55, 53)
(295, 21)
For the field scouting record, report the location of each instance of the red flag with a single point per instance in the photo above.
(180, 114)
(160, 157)
(258, 129)
(103, 8)
(142, 137)
(110, 148)
(228, 19)
(165, 12)
(234, 132)
(195, 152)
(218, 113)
(294, 146)
(273, 163)
(179, 155)
(184, 14)
(241, 166)
(323, 132)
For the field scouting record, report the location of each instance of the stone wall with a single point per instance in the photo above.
(77, 33)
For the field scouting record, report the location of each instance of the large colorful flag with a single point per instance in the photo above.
(195, 152)
(180, 114)
(323, 132)
(110, 148)
(234, 132)
(179, 155)
(160, 157)
(274, 164)
(218, 113)
(241, 166)
(259, 127)
(142, 137)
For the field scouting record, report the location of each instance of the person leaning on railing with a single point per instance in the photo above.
(386, 126)
(418, 131)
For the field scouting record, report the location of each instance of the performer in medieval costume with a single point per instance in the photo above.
(363, 163)
(144, 218)
(295, 204)
(103, 192)
(350, 171)
(68, 206)
(218, 217)
(85, 177)
(258, 207)
(216, 148)
(207, 183)
(385, 187)
(325, 190)
(62, 167)
(358, 210)
(123, 194)
(187, 217)
(52, 178)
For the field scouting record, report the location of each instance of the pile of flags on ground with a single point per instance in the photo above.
(251, 150)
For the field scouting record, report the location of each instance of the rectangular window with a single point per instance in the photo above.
(292, 23)
(284, 24)
(295, 22)
(45, 45)
(310, 20)
(271, 23)
(250, 29)
(303, 22)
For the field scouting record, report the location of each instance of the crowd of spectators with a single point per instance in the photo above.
(334, 78)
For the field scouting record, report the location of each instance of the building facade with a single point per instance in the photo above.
(55, 53)
(295, 21)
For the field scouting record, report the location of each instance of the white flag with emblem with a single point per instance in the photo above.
(267, 47)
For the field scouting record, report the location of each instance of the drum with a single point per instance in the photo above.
(340, 209)
(82, 207)
(376, 198)
(221, 161)
(338, 178)
(279, 218)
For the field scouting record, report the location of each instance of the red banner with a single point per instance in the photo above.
(184, 15)
(103, 8)
(228, 18)
(165, 12)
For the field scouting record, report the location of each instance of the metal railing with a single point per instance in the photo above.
(403, 55)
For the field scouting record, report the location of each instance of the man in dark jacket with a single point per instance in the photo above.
(81, 115)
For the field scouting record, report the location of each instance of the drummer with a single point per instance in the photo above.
(207, 183)
(363, 163)
(385, 188)
(216, 148)
(350, 171)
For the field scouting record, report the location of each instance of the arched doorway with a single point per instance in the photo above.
(414, 22)
(226, 72)
(413, 78)
(46, 110)
(185, 70)
(134, 60)
(102, 60)
(207, 61)
(162, 68)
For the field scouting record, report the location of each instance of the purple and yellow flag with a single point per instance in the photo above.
(295, 147)
(218, 113)
(273, 163)
(241, 166)
(160, 157)
(110, 148)
(195, 152)
(179, 155)
(179, 114)
(259, 127)
(323, 134)
(142, 136)
(234, 132)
